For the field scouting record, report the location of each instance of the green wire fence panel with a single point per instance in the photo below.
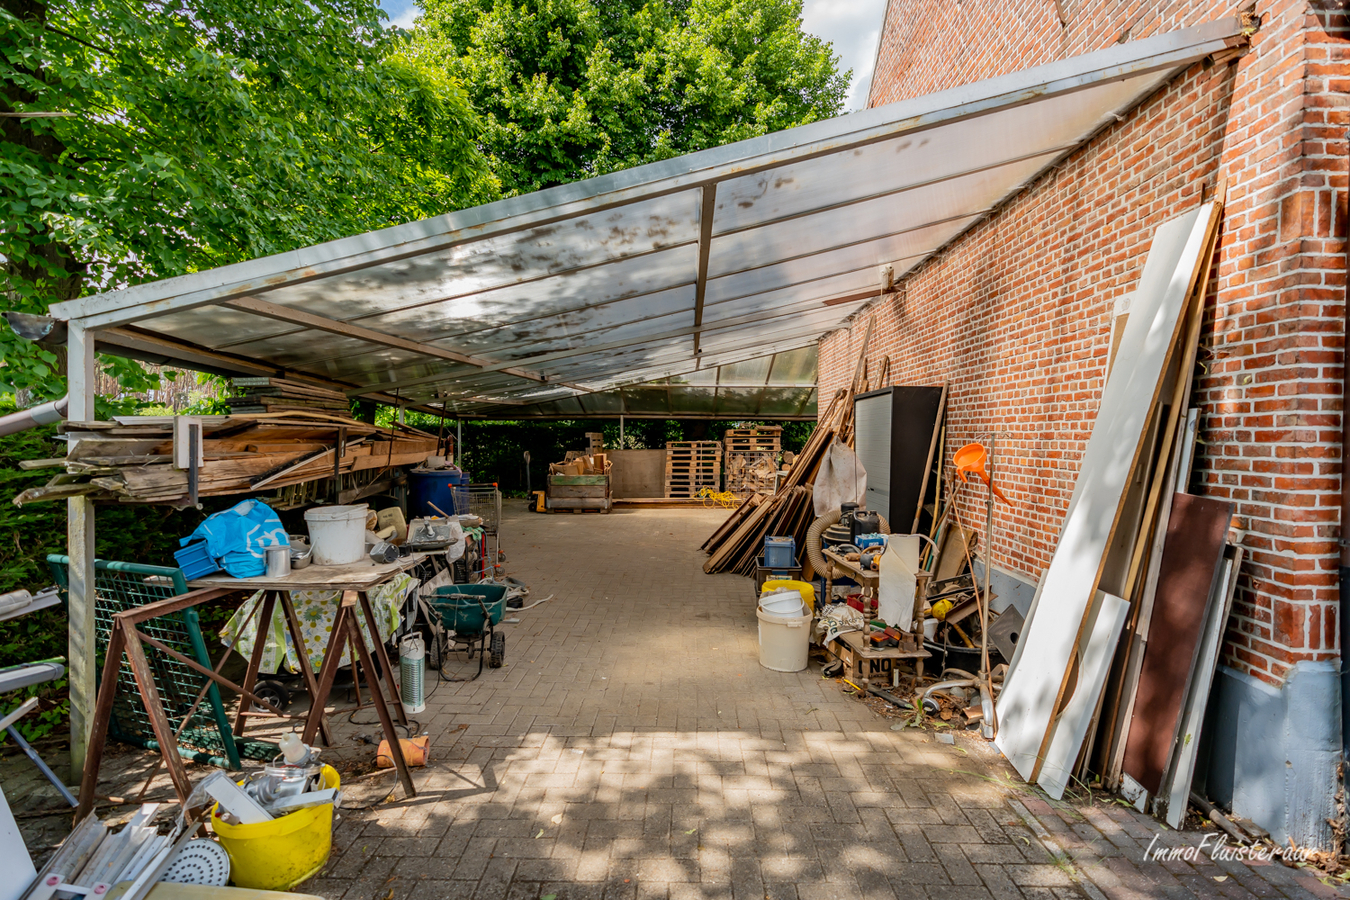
(119, 586)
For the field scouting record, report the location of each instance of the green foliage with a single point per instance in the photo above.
(196, 133)
(573, 88)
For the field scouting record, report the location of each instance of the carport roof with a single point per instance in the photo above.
(713, 258)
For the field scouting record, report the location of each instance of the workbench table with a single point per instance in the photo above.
(862, 664)
(353, 582)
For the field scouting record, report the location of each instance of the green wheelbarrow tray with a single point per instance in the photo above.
(460, 610)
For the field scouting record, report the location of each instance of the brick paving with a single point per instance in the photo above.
(633, 749)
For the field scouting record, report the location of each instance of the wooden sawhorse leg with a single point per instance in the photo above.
(346, 630)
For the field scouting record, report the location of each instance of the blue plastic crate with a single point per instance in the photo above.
(195, 561)
(779, 552)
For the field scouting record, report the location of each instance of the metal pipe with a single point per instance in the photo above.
(24, 419)
(1343, 599)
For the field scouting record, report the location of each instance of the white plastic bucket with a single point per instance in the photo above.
(783, 641)
(783, 603)
(337, 534)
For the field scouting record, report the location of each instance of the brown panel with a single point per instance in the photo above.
(1192, 558)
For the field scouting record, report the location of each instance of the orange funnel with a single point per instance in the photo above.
(973, 458)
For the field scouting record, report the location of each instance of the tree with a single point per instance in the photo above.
(149, 138)
(568, 89)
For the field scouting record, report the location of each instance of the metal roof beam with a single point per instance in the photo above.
(271, 310)
(706, 210)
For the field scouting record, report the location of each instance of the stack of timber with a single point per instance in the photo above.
(269, 395)
(1114, 665)
(752, 458)
(139, 459)
(692, 466)
(737, 543)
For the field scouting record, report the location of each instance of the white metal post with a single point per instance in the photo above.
(621, 444)
(81, 384)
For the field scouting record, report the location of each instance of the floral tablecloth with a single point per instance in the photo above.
(316, 611)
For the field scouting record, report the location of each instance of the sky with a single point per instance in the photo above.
(852, 26)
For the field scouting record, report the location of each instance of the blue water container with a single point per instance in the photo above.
(441, 487)
(779, 552)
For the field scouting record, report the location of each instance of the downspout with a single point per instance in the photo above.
(55, 411)
(1343, 610)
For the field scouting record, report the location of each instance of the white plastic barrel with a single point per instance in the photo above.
(337, 534)
(783, 641)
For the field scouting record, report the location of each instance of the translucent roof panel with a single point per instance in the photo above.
(724, 261)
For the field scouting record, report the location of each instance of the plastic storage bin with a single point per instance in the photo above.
(779, 552)
(337, 534)
(195, 561)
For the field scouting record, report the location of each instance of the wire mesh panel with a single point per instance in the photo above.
(485, 502)
(207, 737)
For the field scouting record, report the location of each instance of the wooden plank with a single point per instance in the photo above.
(932, 448)
(1192, 559)
(154, 709)
(1106, 619)
(98, 728)
(357, 576)
(1026, 708)
(1177, 783)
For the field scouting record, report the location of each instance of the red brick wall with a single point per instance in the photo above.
(1017, 313)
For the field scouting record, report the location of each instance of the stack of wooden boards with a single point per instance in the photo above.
(737, 543)
(142, 459)
(752, 458)
(1113, 667)
(692, 466)
(268, 395)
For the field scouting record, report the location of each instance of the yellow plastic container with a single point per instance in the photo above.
(278, 855)
(802, 587)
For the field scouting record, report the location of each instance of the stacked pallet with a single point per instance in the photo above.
(692, 466)
(268, 395)
(752, 458)
(760, 439)
(133, 459)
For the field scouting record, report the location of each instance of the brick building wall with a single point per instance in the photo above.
(1017, 313)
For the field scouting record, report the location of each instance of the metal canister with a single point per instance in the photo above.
(278, 562)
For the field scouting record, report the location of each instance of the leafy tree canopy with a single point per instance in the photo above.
(568, 89)
(159, 137)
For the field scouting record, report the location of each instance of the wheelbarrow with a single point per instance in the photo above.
(464, 617)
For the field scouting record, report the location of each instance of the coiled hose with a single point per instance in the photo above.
(818, 562)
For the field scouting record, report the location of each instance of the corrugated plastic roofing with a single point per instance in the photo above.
(713, 258)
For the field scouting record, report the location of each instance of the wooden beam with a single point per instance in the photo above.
(280, 313)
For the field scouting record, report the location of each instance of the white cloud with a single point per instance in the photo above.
(402, 13)
(853, 27)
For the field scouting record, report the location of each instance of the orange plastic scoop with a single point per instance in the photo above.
(973, 458)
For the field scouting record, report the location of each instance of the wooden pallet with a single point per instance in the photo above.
(750, 440)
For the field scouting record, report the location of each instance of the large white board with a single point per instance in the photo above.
(1026, 706)
(1106, 619)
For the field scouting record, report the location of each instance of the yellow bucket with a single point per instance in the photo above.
(802, 587)
(278, 855)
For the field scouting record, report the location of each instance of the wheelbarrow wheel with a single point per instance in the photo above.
(273, 692)
(498, 655)
(435, 652)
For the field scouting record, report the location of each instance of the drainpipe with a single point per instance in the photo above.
(1343, 610)
(45, 414)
